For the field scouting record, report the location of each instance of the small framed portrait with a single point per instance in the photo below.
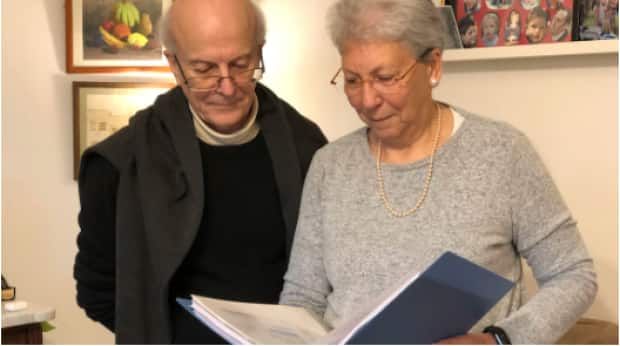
(114, 35)
(499, 4)
(471, 6)
(536, 25)
(102, 108)
(598, 20)
(529, 4)
(490, 29)
(468, 29)
(512, 30)
(561, 24)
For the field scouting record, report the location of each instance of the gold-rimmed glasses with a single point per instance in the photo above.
(211, 82)
(382, 84)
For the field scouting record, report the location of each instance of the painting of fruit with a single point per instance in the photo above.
(121, 29)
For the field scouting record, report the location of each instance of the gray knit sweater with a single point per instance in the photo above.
(491, 200)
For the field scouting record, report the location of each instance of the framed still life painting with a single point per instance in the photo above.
(114, 35)
(489, 23)
(102, 108)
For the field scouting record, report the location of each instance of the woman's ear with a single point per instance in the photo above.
(435, 66)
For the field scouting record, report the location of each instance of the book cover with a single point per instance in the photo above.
(443, 301)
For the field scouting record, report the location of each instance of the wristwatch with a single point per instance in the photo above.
(498, 334)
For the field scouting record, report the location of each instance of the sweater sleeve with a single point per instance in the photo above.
(94, 268)
(546, 235)
(305, 282)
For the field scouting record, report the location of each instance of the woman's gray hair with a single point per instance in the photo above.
(415, 23)
(169, 42)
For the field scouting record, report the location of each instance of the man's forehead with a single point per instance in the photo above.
(225, 25)
(207, 42)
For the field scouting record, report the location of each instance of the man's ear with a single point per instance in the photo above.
(170, 58)
(173, 66)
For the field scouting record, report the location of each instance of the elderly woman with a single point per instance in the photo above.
(422, 178)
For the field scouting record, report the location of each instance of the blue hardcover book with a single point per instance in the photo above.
(445, 300)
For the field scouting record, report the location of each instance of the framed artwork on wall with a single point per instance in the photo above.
(452, 39)
(114, 35)
(598, 20)
(102, 108)
(490, 23)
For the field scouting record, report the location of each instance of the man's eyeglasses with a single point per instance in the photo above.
(212, 82)
(382, 84)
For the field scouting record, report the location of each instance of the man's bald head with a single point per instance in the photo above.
(185, 17)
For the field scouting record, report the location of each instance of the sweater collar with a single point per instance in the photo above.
(210, 136)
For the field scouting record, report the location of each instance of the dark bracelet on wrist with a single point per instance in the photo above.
(500, 336)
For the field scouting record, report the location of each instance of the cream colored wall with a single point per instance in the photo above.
(39, 195)
(568, 106)
(570, 113)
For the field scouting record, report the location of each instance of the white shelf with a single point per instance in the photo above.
(532, 51)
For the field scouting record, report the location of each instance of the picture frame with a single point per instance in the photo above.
(598, 20)
(102, 108)
(452, 38)
(490, 23)
(100, 38)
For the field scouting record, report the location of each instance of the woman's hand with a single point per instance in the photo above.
(470, 339)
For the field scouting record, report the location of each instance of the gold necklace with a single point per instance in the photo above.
(427, 183)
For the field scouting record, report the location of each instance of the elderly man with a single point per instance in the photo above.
(200, 193)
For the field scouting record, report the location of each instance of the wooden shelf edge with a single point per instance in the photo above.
(532, 51)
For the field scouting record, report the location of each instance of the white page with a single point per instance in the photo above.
(250, 323)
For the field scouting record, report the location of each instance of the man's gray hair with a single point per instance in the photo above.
(415, 23)
(169, 42)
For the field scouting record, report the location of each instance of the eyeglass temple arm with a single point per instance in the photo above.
(176, 60)
(333, 81)
(262, 62)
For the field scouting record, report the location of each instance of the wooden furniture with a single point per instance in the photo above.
(589, 331)
(24, 326)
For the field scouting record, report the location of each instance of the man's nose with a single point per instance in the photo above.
(227, 86)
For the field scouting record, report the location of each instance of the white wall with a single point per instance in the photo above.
(570, 113)
(569, 109)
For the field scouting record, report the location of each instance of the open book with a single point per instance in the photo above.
(445, 300)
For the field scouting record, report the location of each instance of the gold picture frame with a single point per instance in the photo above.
(101, 39)
(102, 108)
